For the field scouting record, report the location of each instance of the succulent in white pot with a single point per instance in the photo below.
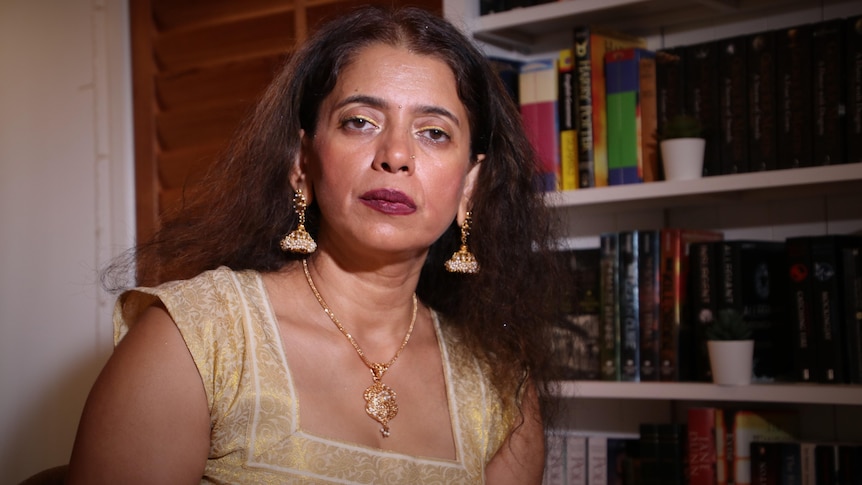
(682, 148)
(731, 349)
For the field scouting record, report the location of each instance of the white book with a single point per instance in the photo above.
(576, 460)
(597, 460)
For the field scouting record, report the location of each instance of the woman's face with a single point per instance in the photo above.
(389, 163)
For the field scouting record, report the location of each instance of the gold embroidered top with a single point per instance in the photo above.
(229, 327)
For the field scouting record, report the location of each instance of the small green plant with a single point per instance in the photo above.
(681, 126)
(729, 326)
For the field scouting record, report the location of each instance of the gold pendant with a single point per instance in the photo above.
(380, 404)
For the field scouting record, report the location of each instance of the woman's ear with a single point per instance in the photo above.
(472, 176)
(298, 176)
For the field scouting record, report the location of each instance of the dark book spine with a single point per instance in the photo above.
(610, 323)
(670, 87)
(852, 286)
(761, 102)
(827, 86)
(826, 257)
(800, 274)
(733, 98)
(704, 299)
(649, 295)
(672, 451)
(765, 463)
(650, 454)
(853, 80)
(791, 463)
(669, 325)
(793, 64)
(702, 100)
(753, 282)
(825, 463)
(629, 305)
(584, 103)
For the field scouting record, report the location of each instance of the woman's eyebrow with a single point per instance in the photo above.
(380, 103)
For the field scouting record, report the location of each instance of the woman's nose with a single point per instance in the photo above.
(395, 153)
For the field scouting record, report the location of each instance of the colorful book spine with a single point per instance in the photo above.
(591, 44)
(537, 92)
(853, 83)
(762, 102)
(793, 65)
(701, 446)
(702, 99)
(733, 97)
(610, 315)
(629, 306)
(630, 84)
(828, 67)
(649, 304)
(566, 115)
(801, 307)
(674, 327)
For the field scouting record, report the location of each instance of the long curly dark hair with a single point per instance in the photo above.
(243, 208)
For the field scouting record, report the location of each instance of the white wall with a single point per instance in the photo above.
(66, 206)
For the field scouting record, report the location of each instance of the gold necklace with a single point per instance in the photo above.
(380, 401)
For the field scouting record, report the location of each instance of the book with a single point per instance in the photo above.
(702, 98)
(733, 98)
(758, 426)
(650, 454)
(508, 71)
(629, 306)
(675, 325)
(609, 333)
(555, 458)
(752, 280)
(852, 287)
(762, 102)
(597, 460)
(801, 307)
(825, 463)
(853, 83)
(575, 334)
(849, 463)
(649, 303)
(670, 84)
(701, 446)
(568, 142)
(631, 116)
(827, 86)
(765, 463)
(827, 297)
(672, 454)
(808, 469)
(704, 304)
(537, 95)
(591, 44)
(795, 99)
(791, 463)
(576, 459)
(620, 453)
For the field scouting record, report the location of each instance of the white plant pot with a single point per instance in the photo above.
(731, 361)
(682, 158)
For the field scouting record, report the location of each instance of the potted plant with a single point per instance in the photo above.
(682, 147)
(731, 349)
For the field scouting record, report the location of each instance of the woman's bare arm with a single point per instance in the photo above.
(521, 459)
(146, 419)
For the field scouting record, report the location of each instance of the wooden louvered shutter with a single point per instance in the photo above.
(198, 66)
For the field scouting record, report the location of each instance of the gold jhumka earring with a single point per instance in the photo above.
(299, 241)
(463, 260)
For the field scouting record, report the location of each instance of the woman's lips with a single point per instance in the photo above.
(389, 201)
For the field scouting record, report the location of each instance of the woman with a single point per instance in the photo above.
(306, 328)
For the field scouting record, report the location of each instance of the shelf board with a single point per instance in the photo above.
(523, 28)
(808, 181)
(691, 391)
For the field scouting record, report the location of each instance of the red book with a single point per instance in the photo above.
(537, 94)
(701, 446)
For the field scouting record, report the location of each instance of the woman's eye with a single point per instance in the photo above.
(358, 123)
(435, 134)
